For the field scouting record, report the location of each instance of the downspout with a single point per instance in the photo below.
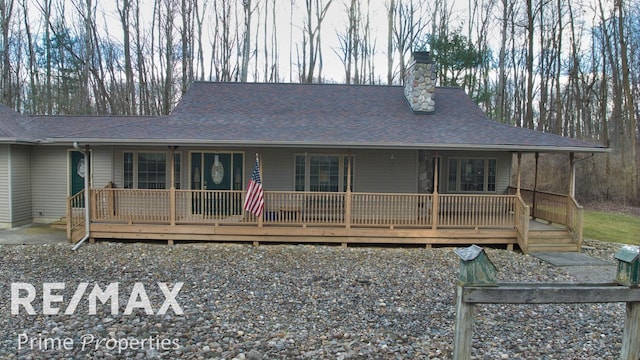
(87, 172)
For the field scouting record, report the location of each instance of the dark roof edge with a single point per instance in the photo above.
(234, 143)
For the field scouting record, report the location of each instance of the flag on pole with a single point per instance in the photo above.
(254, 203)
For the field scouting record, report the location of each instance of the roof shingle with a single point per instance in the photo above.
(321, 115)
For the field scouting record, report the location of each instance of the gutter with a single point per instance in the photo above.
(336, 145)
(87, 219)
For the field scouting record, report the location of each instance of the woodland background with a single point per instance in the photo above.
(568, 67)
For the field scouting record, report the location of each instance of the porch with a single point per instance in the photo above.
(326, 217)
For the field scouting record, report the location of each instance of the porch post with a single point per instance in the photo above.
(347, 200)
(572, 177)
(436, 198)
(519, 173)
(535, 186)
(261, 217)
(172, 187)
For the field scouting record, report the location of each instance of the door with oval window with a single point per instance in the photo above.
(217, 173)
(77, 172)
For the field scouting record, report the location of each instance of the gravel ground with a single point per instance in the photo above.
(287, 301)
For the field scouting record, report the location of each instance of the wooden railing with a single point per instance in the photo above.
(391, 209)
(475, 210)
(130, 205)
(546, 205)
(194, 206)
(303, 208)
(574, 220)
(521, 217)
(75, 214)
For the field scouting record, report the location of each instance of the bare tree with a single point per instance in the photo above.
(6, 10)
(315, 12)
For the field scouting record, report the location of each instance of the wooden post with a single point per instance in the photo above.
(172, 188)
(261, 217)
(69, 218)
(572, 178)
(519, 172)
(464, 327)
(347, 200)
(631, 336)
(535, 186)
(436, 197)
(546, 293)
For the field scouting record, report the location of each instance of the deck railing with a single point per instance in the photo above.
(303, 208)
(391, 209)
(75, 213)
(555, 208)
(574, 220)
(476, 210)
(521, 217)
(131, 205)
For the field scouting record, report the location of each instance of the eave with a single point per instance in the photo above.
(325, 145)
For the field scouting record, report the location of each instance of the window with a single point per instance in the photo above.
(148, 170)
(326, 173)
(471, 175)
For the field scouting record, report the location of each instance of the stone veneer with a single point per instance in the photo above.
(420, 82)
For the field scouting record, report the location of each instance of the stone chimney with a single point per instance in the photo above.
(420, 83)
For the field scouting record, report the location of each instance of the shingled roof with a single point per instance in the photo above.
(306, 115)
(10, 129)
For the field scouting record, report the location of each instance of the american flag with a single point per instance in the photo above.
(254, 203)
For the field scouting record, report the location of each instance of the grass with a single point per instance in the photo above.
(611, 226)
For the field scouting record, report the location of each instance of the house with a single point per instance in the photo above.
(340, 163)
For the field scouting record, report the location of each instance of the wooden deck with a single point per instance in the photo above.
(344, 218)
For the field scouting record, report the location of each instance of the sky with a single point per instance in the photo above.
(334, 23)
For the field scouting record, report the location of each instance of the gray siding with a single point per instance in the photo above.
(386, 171)
(101, 165)
(21, 200)
(277, 168)
(374, 170)
(5, 199)
(49, 180)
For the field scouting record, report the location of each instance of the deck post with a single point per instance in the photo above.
(535, 187)
(572, 175)
(572, 192)
(261, 217)
(435, 208)
(69, 217)
(172, 188)
(519, 172)
(631, 335)
(463, 328)
(347, 200)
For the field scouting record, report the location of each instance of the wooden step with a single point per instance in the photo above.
(553, 248)
(60, 224)
(551, 238)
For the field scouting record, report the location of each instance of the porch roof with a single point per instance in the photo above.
(305, 115)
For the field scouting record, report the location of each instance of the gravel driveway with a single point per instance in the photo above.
(284, 301)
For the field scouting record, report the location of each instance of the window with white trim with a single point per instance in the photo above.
(471, 175)
(149, 170)
(322, 172)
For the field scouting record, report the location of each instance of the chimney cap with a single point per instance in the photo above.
(422, 57)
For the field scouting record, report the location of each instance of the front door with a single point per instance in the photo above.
(77, 172)
(217, 171)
